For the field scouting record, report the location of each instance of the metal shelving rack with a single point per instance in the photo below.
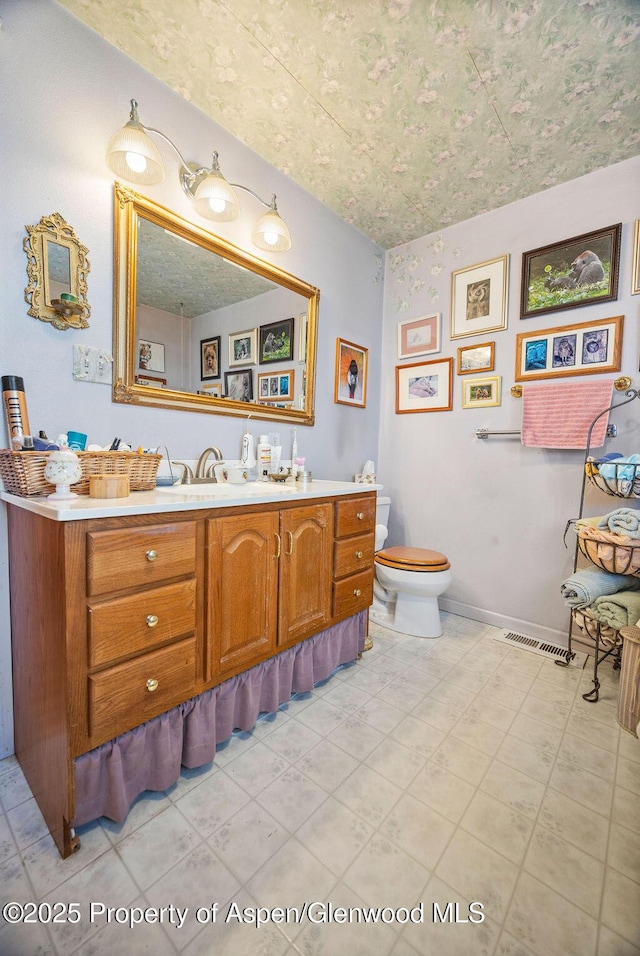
(615, 485)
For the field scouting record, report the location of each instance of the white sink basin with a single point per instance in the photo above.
(229, 489)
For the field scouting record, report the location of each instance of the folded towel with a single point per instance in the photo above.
(589, 522)
(622, 521)
(617, 610)
(584, 586)
(620, 467)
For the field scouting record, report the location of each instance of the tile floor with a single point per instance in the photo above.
(449, 772)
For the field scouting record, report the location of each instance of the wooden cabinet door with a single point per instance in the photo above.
(242, 572)
(305, 571)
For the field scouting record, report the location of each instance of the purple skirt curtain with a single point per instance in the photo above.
(109, 778)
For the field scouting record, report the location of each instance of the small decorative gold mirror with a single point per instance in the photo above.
(57, 268)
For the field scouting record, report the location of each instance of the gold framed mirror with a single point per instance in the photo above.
(57, 268)
(198, 321)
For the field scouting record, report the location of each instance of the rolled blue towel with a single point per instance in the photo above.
(622, 521)
(620, 468)
(584, 586)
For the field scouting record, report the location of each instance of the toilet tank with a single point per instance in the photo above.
(382, 520)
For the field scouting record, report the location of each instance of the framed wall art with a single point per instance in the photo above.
(424, 386)
(275, 386)
(479, 298)
(588, 348)
(350, 387)
(152, 380)
(419, 336)
(210, 358)
(213, 390)
(481, 392)
(476, 358)
(150, 356)
(571, 273)
(635, 269)
(276, 342)
(239, 385)
(243, 347)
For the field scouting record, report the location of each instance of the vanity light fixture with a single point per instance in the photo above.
(132, 155)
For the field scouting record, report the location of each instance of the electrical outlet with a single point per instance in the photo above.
(91, 364)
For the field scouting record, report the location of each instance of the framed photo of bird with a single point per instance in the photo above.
(571, 273)
(479, 298)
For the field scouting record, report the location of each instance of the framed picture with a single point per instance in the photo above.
(239, 385)
(210, 358)
(425, 386)
(276, 342)
(481, 392)
(479, 298)
(243, 347)
(214, 390)
(635, 269)
(150, 356)
(275, 386)
(571, 273)
(584, 349)
(419, 336)
(476, 358)
(151, 380)
(351, 374)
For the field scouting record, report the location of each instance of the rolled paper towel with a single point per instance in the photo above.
(585, 586)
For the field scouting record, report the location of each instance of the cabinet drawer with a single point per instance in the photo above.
(128, 694)
(141, 622)
(353, 594)
(131, 557)
(355, 516)
(353, 554)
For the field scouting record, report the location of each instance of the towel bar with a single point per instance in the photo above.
(612, 432)
(620, 384)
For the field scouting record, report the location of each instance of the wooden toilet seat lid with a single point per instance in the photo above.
(413, 559)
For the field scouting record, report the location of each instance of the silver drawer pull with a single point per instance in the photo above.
(357, 592)
(358, 554)
(151, 555)
(152, 620)
(360, 515)
(152, 684)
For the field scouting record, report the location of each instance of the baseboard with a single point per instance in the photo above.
(502, 620)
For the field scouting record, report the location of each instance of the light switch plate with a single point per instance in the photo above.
(92, 364)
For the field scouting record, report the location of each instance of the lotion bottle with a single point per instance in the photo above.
(263, 454)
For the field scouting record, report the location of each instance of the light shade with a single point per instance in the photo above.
(132, 155)
(215, 198)
(271, 232)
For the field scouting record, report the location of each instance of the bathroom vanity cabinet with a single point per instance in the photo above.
(119, 617)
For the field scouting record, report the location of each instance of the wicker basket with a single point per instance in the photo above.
(23, 471)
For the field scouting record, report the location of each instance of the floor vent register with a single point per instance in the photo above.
(542, 648)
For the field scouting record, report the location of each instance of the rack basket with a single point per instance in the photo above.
(23, 471)
(616, 558)
(621, 481)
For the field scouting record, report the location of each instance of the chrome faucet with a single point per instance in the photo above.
(202, 472)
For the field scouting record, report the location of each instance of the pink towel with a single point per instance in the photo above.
(559, 415)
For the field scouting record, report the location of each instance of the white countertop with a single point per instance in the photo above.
(185, 498)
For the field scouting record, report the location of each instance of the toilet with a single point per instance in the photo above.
(407, 584)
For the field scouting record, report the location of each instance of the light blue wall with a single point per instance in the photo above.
(65, 91)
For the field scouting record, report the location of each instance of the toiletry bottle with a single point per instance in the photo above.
(294, 453)
(15, 407)
(263, 454)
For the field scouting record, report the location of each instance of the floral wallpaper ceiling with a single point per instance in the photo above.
(403, 116)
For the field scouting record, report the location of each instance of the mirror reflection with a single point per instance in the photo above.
(58, 270)
(202, 325)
